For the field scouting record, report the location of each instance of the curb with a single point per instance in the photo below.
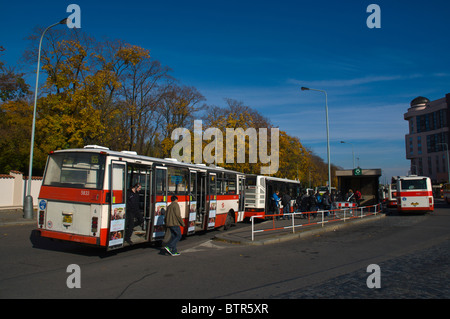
(15, 216)
(313, 230)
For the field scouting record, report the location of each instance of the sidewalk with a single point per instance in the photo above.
(243, 235)
(14, 216)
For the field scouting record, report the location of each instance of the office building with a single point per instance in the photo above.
(428, 139)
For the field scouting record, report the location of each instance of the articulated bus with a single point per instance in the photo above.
(259, 190)
(414, 194)
(83, 196)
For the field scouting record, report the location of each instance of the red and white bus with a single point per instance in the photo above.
(83, 196)
(259, 190)
(414, 194)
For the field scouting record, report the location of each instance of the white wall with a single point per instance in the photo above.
(13, 186)
(6, 190)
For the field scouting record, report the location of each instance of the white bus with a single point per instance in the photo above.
(83, 196)
(259, 190)
(414, 194)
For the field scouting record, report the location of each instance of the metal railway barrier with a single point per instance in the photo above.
(318, 217)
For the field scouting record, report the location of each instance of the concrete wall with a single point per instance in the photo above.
(13, 188)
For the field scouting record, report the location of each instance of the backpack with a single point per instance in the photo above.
(319, 198)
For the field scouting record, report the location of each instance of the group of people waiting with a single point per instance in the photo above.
(310, 202)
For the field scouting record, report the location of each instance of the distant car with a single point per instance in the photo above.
(446, 193)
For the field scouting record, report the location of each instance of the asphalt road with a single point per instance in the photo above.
(412, 252)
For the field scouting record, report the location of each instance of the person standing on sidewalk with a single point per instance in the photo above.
(174, 222)
(286, 202)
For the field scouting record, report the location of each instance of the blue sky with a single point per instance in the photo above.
(262, 52)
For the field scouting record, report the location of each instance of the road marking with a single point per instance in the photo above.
(203, 246)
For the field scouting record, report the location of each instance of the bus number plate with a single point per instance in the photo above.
(67, 219)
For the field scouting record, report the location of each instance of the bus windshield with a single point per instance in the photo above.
(410, 184)
(77, 170)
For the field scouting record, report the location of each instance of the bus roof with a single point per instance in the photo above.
(134, 155)
(272, 178)
(411, 177)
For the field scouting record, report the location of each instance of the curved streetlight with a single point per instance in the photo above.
(448, 161)
(328, 133)
(28, 202)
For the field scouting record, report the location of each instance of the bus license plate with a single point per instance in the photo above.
(67, 219)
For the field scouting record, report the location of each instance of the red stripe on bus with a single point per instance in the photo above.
(416, 193)
(417, 208)
(72, 194)
(227, 197)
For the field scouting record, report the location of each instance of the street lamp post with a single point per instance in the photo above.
(353, 152)
(28, 202)
(328, 133)
(448, 162)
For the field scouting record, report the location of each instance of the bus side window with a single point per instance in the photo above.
(160, 181)
(178, 180)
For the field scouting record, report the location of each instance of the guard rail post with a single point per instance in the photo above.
(293, 224)
(323, 214)
(253, 227)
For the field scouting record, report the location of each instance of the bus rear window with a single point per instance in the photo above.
(410, 184)
(77, 170)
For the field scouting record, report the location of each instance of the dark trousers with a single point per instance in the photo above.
(130, 223)
(175, 231)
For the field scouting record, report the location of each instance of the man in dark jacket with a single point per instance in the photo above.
(132, 212)
(286, 201)
(174, 221)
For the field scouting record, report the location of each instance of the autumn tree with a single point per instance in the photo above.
(235, 115)
(115, 94)
(15, 119)
(178, 107)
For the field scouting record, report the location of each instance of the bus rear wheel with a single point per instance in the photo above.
(229, 221)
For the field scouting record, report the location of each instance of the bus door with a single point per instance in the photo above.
(146, 182)
(117, 197)
(192, 192)
(157, 228)
(241, 193)
(201, 210)
(141, 174)
(211, 200)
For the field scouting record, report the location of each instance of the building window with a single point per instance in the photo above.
(430, 170)
(419, 145)
(420, 168)
(438, 170)
(429, 122)
(435, 142)
(411, 149)
(411, 126)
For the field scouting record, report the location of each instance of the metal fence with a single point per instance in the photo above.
(302, 219)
